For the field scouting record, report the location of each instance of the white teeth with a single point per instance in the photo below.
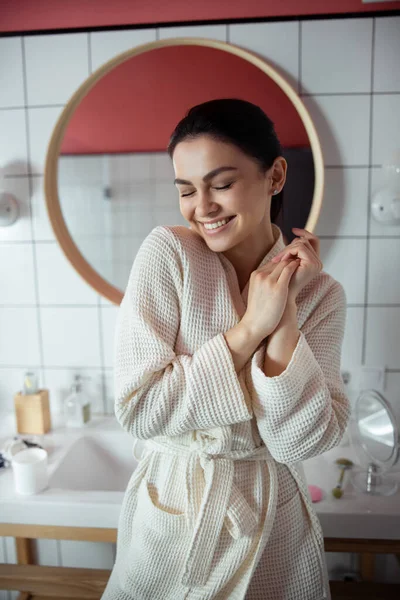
(216, 225)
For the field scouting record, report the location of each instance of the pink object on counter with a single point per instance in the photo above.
(315, 493)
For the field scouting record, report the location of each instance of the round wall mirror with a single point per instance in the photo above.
(108, 178)
(376, 442)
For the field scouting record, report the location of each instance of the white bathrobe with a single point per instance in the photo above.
(218, 507)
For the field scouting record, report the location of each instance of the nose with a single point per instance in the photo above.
(205, 206)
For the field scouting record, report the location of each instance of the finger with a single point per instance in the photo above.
(281, 266)
(287, 272)
(285, 252)
(313, 239)
(293, 250)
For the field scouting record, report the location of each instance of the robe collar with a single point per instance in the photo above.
(240, 297)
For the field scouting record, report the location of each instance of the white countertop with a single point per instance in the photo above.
(355, 515)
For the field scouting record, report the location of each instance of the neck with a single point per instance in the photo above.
(247, 255)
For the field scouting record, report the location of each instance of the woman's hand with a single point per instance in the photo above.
(267, 297)
(306, 248)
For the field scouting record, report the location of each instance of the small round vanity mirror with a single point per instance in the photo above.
(376, 442)
(108, 178)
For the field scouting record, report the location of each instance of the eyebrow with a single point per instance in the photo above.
(207, 177)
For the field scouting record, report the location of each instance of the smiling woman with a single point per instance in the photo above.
(108, 178)
(227, 363)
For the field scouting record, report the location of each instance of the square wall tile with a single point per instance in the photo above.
(342, 124)
(213, 32)
(277, 42)
(11, 72)
(56, 65)
(345, 204)
(379, 181)
(105, 45)
(353, 337)
(19, 339)
(42, 229)
(108, 320)
(345, 260)
(13, 144)
(58, 281)
(71, 337)
(21, 230)
(383, 337)
(386, 54)
(41, 125)
(336, 56)
(17, 274)
(59, 382)
(383, 275)
(385, 127)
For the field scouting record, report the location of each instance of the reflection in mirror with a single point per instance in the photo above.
(376, 428)
(376, 442)
(115, 179)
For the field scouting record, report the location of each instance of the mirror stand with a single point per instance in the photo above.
(373, 481)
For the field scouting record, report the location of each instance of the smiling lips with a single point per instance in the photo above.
(217, 224)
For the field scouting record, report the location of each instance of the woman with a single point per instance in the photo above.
(228, 364)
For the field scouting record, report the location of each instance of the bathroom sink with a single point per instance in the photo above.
(99, 462)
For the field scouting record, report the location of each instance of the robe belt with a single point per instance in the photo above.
(222, 502)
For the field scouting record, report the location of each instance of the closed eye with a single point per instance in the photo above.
(224, 187)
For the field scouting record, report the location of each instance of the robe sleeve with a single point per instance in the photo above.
(158, 392)
(304, 411)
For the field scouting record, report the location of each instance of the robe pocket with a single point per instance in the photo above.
(161, 519)
(292, 561)
(155, 555)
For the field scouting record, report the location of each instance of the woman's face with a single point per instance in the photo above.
(223, 194)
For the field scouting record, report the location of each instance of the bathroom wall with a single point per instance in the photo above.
(348, 74)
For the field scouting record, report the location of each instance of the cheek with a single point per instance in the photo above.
(186, 210)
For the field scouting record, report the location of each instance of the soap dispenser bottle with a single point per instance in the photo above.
(77, 405)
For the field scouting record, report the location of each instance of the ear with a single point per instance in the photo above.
(278, 174)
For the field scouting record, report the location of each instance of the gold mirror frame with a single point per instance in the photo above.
(68, 246)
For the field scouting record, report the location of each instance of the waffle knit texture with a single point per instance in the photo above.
(218, 507)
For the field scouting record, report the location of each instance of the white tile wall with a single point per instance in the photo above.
(17, 283)
(70, 287)
(105, 45)
(386, 56)
(21, 229)
(278, 43)
(71, 336)
(70, 330)
(336, 68)
(345, 260)
(13, 146)
(342, 124)
(56, 65)
(20, 336)
(378, 181)
(213, 32)
(41, 124)
(385, 127)
(11, 74)
(344, 209)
